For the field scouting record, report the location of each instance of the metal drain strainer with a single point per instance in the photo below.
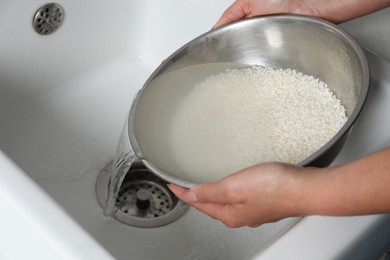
(144, 200)
(48, 18)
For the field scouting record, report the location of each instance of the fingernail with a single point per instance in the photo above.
(189, 197)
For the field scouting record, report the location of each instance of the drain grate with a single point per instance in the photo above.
(48, 18)
(144, 199)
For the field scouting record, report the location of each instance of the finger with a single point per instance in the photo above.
(255, 225)
(222, 192)
(204, 193)
(234, 13)
(183, 194)
(221, 212)
(216, 211)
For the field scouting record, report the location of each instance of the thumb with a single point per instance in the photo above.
(234, 13)
(215, 193)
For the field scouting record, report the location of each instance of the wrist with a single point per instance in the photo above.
(313, 192)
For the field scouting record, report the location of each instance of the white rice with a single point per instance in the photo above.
(242, 117)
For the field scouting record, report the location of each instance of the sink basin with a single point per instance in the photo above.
(63, 100)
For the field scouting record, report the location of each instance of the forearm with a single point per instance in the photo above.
(357, 188)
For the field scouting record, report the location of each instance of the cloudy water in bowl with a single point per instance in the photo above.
(238, 117)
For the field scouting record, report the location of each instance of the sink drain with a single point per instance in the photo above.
(48, 18)
(144, 200)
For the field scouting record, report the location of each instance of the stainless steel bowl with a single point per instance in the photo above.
(309, 45)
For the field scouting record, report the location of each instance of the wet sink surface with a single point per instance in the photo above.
(64, 101)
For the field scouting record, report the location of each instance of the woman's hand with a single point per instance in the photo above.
(269, 192)
(249, 8)
(334, 10)
(260, 194)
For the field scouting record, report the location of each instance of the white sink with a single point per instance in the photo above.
(63, 101)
